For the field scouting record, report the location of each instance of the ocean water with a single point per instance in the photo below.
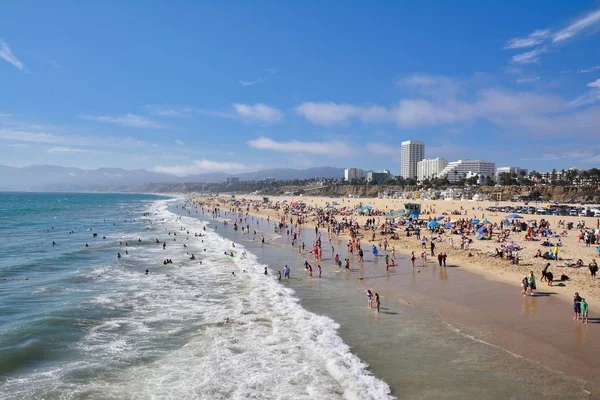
(79, 323)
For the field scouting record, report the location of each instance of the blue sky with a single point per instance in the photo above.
(191, 87)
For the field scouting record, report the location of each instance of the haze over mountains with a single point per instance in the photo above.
(52, 177)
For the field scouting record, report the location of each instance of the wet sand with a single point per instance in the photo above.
(534, 346)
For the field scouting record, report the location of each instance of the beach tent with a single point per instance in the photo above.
(433, 224)
(513, 216)
(364, 208)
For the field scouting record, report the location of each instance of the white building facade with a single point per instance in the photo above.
(430, 168)
(413, 151)
(457, 170)
(509, 170)
(353, 173)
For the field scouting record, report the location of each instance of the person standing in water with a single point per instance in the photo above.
(266, 273)
(377, 302)
(369, 299)
(531, 283)
(320, 270)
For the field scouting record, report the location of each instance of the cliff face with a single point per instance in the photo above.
(547, 193)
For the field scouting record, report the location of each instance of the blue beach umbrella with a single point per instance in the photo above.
(433, 224)
(480, 230)
(440, 218)
(364, 208)
(449, 224)
(513, 216)
(475, 221)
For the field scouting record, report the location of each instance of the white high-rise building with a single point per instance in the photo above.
(413, 151)
(430, 168)
(456, 170)
(353, 173)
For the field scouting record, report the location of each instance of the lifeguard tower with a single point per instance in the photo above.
(412, 208)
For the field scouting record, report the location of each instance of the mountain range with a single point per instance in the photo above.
(53, 177)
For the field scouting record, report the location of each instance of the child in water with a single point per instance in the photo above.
(377, 302)
(369, 299)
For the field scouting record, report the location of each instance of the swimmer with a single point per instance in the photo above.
(266, 273)
(87, 245)
(278, 275)
(53, 243)
(233, 273)
(118, 255)
(193, 257)
(146, 272)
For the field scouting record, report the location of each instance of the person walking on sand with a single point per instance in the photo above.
(545, 272)
(369, 299)
(531, 283)
(413, 258)
(378, 303)
(576, 306)
(320, 270)
(444, 256)
(440, 258)
(432, 249)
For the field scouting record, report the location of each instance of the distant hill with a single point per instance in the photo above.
(52, 177)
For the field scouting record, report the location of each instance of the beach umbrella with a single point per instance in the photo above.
(433, 224)
(335, 203)
(439, 218)
(513, 216)
(480, 230)
(413, 216)
(449, 224)
(363, 208)
(475, 221)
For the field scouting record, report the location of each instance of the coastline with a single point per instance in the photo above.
(538, 328)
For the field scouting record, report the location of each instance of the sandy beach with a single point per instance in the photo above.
(480, 261)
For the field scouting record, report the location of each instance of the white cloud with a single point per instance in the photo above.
(67, 150)
(271, 70)
(258, 112)
(332, 148)
(30, 137)
(5, 115)
(595, 84)
(533, 39)
(179, 143)
(591, 69)
(527, 79)
(433, 85)
(129, 120)
(383, 150)
(529, 57)
(7, 55)
(545, 39)
(328, 114)
(589, 20)
(200, 167)
(250, 83)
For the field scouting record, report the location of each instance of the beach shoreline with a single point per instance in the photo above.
(515, 332)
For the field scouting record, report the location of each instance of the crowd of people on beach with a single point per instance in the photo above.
(350, 222)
